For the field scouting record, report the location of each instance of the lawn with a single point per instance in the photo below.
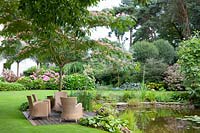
(12, 120)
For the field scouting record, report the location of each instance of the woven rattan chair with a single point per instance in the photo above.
(35, 98)
(71, 110)
(37, 109)
(57, 102)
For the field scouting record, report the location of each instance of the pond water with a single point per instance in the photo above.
(159, 120)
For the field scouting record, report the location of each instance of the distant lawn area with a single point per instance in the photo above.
(13, 121)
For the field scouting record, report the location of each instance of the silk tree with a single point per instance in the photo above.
(58, 30)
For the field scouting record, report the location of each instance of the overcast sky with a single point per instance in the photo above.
(105, 4)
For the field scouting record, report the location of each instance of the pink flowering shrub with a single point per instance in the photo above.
(49, 78)
(9, 75)
(173, 78)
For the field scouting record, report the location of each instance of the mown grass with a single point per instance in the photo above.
(13, 121)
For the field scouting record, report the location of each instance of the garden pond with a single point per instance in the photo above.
(161, 120)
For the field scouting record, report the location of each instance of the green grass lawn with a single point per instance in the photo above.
(13, 121)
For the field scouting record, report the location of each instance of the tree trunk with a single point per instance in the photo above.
(183, 18)
(18, 68)
(131, 37)
(38, 64)
(60, 78)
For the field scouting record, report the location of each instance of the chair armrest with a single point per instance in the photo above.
(41, 106)
(79, 107)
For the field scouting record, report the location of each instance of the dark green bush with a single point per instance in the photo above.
(27, 82)
(24, 106)
(52, 84)
(2, 79)
(153, 69)
(144, 50)
(30, 71)
(166, 51)
(5, 86)
(38, 84)
(184, 96)
(78, 82)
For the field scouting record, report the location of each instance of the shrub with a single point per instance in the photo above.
(144, 50)
(109, 123)
(153, 71)
(86, 98)
(189, 60)
(78, 82)
(106, 120)
(173, 78)
(30, 71)
(9, 75)
(51, 84)
(76, 67)
(107, 110)
(38, 84)
(26, 82)
(127, 96)
(24, 106)
(166, 51)
(155, 86)
(5, 86)
(150, 96)
(2, 79)
(184, 96)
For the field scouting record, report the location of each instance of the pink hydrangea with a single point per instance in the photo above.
(56, 74)
(45, 78)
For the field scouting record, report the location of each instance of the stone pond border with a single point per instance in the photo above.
(171, 105)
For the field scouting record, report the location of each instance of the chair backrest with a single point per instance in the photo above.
(68, 104)
(58, 95)
(30, 102)
(35, 97)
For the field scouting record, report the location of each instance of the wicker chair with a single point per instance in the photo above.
(37, 109)
(57, 103)
(35, 98)
(71, 110)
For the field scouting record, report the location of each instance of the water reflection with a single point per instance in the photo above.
(157, 120)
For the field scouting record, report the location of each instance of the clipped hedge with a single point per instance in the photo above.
(5, 86)
(78, 82)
